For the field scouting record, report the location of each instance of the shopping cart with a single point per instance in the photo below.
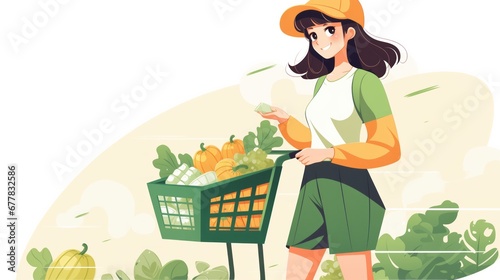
(236, 210)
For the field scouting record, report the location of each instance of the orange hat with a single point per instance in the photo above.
(339, 9)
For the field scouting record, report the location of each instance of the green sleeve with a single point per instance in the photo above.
(373, 102)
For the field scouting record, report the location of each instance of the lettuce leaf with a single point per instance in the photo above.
(264, 139)
(167, 162)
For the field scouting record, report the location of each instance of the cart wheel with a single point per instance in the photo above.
(230, 260)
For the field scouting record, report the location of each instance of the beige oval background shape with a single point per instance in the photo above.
(444, 121)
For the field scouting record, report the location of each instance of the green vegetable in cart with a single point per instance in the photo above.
(255, 160)
(183, 175)
(167, 162)
(264, 139)
(190, 174)
(205, 179)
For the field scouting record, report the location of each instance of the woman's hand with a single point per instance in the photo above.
(277, 114)
(309, 156)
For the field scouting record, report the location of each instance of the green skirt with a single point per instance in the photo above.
(338, 208)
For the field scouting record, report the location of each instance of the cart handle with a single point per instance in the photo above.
(285, 155)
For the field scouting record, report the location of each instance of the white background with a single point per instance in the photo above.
(83, 57)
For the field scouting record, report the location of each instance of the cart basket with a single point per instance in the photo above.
(235, 210)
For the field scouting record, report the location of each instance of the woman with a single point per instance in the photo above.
(338, 206)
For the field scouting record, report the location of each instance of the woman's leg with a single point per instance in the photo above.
(303, 263)
(356, 266)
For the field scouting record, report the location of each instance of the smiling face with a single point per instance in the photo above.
(328, 39)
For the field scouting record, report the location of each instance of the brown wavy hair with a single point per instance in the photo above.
(363, 51)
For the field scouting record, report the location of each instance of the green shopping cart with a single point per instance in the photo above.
(236, 210)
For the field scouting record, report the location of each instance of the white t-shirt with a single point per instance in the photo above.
(331, 115)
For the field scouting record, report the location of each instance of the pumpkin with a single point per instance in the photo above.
(228, 168)
(72, 264)
(234, 146)
(206, 158)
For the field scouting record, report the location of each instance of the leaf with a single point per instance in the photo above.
(216, 273)
(81, 215)
(249, 142)
(166, 161)
(442, 217)
(39, 259)
(260, 70)
(187, 159)
(201, 266)
(39, 273)
(107, 277)
(397, 260)
(422, 91)
(147, 266)
(121, 275)
(265, 137)
(174, 270)
(478, 237)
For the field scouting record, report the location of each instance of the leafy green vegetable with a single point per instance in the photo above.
(41, 260)
(426, 233)
(201, 266)
(478, 237)
(107, 277)
(147, 266)
(174, 270)
(428, 250)
(167, 162)
(249, 142)
(216, 273)
(265, 138)
(121, 275)
(187, 159)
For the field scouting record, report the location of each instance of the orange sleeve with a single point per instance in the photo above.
(295, 133)
(381, 147)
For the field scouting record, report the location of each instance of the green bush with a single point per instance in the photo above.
(412, 255)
